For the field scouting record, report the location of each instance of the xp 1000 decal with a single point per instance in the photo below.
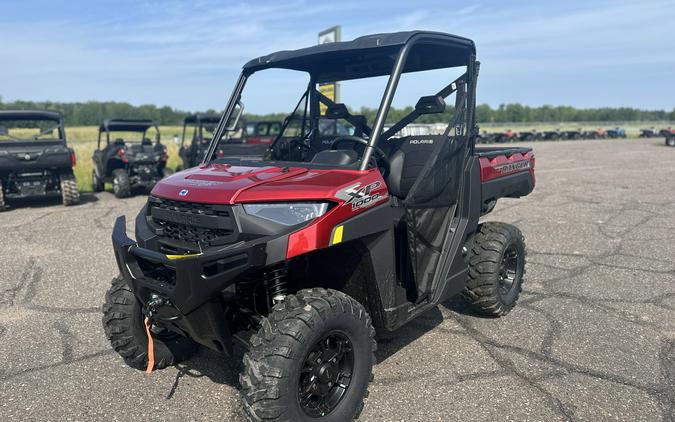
(359, 196)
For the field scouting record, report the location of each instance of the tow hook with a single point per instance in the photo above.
(154, 303)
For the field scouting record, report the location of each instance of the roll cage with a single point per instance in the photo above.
(33, 115)
(198, 121)
(368, 56)
(126, 125)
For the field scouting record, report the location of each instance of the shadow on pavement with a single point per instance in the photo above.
(389, 343)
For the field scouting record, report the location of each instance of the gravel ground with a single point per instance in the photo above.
(593, 336)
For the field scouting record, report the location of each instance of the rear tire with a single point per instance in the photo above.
(317, 331)
(97, 184)
(496, 269)
(69, 191)
(124, 328)
(121, 183)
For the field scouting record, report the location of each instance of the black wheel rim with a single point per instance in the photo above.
(326, 374)
(508, 269)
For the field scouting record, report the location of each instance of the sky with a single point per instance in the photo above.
(188, 54)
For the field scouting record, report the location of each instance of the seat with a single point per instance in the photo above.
(408, 156)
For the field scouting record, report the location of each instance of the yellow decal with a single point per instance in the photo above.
(175, 257)
(337, 235)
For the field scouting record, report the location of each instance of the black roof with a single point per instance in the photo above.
(30, 115)
(126, 125)
(370, 55)
(204, 118)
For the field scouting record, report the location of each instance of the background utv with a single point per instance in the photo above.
(302, 255)
(131, 162)
(34, 157)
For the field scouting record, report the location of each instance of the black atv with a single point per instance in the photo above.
(193, 146)
(303, 255)
(34, 157)
(129, 162)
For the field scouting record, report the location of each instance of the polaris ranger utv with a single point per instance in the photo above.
(302, 256)
(34, 157)
(128, 163)
(202, 127)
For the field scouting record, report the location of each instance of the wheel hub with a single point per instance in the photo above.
(508, 269)
(326, 375)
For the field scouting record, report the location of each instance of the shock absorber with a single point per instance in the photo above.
(275, 281)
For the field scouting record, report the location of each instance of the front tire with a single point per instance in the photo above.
(496, 269)
(123, 326)
(670, 141)
(70, 194)
(121, 183)
(312, 358)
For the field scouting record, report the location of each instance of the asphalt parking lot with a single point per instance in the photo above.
(593, 337)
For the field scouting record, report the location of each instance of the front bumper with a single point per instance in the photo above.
(192, 288)
(187, 282)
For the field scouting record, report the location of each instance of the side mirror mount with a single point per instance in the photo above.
(431, 104)
(232, 123)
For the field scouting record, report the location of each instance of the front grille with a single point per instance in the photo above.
(197, 225)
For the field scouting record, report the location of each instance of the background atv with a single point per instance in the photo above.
(649, 133)
(302, 256)
(262, 132)
(131, 162)
(34, 157)
(202, 127)
(616, 133)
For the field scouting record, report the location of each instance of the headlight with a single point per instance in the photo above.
(287, 213)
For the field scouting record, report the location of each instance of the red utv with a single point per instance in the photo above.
(301, 257)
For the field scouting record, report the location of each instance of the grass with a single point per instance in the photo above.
(83, 140)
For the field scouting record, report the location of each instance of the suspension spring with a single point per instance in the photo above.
(276, 285)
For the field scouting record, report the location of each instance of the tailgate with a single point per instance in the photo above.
(505, 173)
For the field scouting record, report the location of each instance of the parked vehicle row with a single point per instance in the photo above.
(549, 135)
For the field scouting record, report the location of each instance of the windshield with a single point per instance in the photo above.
(287, 118)
(30, 130)
(147, 137)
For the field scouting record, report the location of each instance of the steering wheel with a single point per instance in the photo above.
(382, 160)
(285, 148)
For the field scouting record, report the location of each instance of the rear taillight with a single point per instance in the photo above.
(220, 153)
(120, 153)
(73, 159)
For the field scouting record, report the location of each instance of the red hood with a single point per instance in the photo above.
(226, 184)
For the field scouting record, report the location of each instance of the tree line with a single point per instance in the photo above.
(93, 112)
